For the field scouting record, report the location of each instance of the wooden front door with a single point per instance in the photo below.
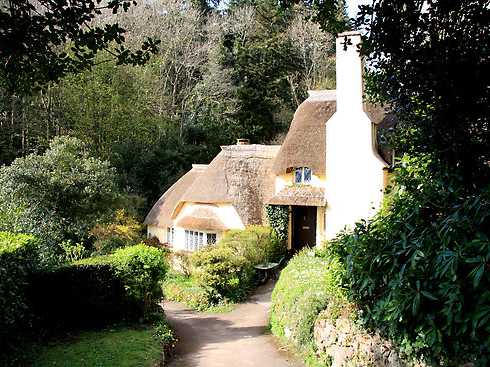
(304, 227)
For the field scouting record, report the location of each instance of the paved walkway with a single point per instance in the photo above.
(235, 339)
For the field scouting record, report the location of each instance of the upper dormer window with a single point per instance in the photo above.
(302, 175)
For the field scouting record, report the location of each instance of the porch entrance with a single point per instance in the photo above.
(304, 227)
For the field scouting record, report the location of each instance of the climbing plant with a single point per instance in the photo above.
(278, 217)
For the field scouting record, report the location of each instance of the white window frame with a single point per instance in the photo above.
(196, 240)
(170, 235)
(303, 175)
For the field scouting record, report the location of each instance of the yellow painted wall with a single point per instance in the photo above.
(288, 180)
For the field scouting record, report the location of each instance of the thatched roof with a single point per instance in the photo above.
(304, 145)
(202, 218)
(299, 195)
(161, 213)
(240, 175)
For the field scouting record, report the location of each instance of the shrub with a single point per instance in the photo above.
(222, 272)
(100, 290)
(420, 271)
(184, 289)
(306, 286)
(142, 269)
(18, 255)
(258, 244)
(124, 230)
(56, 196)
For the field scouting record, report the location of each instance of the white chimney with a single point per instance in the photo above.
(354, 170)
(349, 71)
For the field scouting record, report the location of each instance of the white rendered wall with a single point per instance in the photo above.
(226, 212)
(354, 185)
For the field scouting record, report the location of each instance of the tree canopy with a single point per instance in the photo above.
(44, 40)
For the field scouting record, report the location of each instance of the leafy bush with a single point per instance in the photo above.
(56, 196)
(258, 244)
(18, 255)
(222, 272)
(99, 290)
(124, 230)
(420, 270)
(141, 269)
(184, 289)
(306, 286)
(278, 217)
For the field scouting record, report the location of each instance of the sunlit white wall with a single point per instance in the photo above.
(354, 186)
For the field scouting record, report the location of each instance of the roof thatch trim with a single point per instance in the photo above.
(299, 195)
(304, 145)
(240, 175)
(160, 214)
(305, 142)
(201, 218)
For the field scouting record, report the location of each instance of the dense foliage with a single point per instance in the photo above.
(56, 196)
(278, 218)
(18, 255)
(239, 72)
(224, 274)
(43, 40)
(123, 230)
(306, 286)
(185, 289)
(420, 269)
(258, 244)
(431, 61)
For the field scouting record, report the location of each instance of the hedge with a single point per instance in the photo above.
(306, 286)
(17, 260)
(99, 290)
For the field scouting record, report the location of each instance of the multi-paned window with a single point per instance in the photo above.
(195, 240)
(170, 235)
(302, 175)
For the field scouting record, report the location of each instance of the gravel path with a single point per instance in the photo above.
(235, 339)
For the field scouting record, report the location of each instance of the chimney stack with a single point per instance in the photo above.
(243, 142)
(349, 72)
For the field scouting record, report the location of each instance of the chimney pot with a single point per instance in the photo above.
(243, 142)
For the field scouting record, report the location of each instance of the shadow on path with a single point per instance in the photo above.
(236, 339)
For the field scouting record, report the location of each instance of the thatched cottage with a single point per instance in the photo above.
(327, 172)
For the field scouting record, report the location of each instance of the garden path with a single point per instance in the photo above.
(235, 339)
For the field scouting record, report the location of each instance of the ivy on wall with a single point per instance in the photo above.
(278, 217)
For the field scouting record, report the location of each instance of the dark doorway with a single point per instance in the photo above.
(304, 227)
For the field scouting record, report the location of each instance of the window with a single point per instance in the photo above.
(302, 175)
(210, 238)
(170, 235)
(195, 240)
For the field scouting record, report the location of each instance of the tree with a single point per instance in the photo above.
(44, 40)
(56, 196)
(431, 61)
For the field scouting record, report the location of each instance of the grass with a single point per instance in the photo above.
(123, 347)
(184, 289)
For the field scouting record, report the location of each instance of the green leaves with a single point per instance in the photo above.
(423, 266)
(32, 36)
(58, 195)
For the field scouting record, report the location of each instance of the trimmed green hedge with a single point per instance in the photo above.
(18, 254)
(99, 290)
(306, 286)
